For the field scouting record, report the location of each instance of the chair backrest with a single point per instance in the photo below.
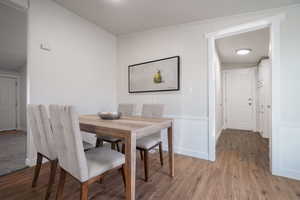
(153, 110)
(40, 127)
(68, 139)
(126, 109)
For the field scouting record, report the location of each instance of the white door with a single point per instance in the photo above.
(240, 99)
(8, 103)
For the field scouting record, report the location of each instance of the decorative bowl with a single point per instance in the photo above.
(109, 115)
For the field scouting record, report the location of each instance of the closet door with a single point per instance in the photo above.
(8, 103)
(265, 98)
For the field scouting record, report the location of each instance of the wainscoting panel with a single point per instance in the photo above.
(288, 144)
(190, 136)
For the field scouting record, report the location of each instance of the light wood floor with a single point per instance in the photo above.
(240, 172)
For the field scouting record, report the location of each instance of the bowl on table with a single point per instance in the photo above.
(109, 115)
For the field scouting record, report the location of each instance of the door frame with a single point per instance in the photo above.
(17, 78)
(225, 91)
(273, 22)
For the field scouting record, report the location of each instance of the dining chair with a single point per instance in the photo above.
(41, 130)
(125, 110)
(40, 127)
(85, 167)
(145, 144)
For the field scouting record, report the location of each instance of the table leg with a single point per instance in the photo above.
(130, 160)
(171, 151)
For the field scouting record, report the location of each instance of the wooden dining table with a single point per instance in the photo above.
(129, 129)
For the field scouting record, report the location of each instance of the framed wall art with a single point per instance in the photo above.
(155, 76)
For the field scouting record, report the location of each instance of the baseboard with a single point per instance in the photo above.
(22, 129)
(219, 134)
(29, 162)
(188, 152)
(292, 174)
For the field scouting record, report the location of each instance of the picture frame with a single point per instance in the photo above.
(155, 76)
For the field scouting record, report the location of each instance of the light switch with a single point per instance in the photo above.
(45, 46)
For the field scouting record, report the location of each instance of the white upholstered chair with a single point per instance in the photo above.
(126, 110)
(43, 140)
(145, 144)
(85, 167)
(40, 127)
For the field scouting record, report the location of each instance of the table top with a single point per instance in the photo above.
(125, 125)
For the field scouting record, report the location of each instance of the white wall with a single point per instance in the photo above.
(20, 3)
(189, 106)
(289, 137)
(79, 69)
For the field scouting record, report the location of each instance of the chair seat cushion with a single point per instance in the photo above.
(148, 141)
(102, 159)
(87, 145)
(108, 138)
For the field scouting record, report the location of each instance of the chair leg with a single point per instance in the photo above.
(113, 146)
(99, 143)
(123, 175)
(141, 154)
(37, 169)
(118, 147)
(51, 178)
(61, 184)
(161, 154)
(146, 158)
(123, 148)
(84, 191)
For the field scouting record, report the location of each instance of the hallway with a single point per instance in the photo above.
(245, 146)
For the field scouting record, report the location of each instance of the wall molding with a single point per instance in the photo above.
(187, 117)
(287, 173)
(219, 134)
(188, 152)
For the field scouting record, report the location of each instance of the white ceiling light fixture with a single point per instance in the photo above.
(243, 52)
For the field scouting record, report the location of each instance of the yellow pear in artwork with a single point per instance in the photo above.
(157, 77)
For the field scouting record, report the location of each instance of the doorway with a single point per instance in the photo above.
(273, 23)
(13, 88)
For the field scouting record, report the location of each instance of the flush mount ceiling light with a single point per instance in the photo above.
(243, 51)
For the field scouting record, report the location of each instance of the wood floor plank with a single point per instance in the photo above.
(241, 171)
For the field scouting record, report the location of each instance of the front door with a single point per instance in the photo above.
(240, 99)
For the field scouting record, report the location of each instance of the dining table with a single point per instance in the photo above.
(129, 129)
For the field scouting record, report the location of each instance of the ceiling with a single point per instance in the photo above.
(258, 41)
(127, 16)
(12, 38)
